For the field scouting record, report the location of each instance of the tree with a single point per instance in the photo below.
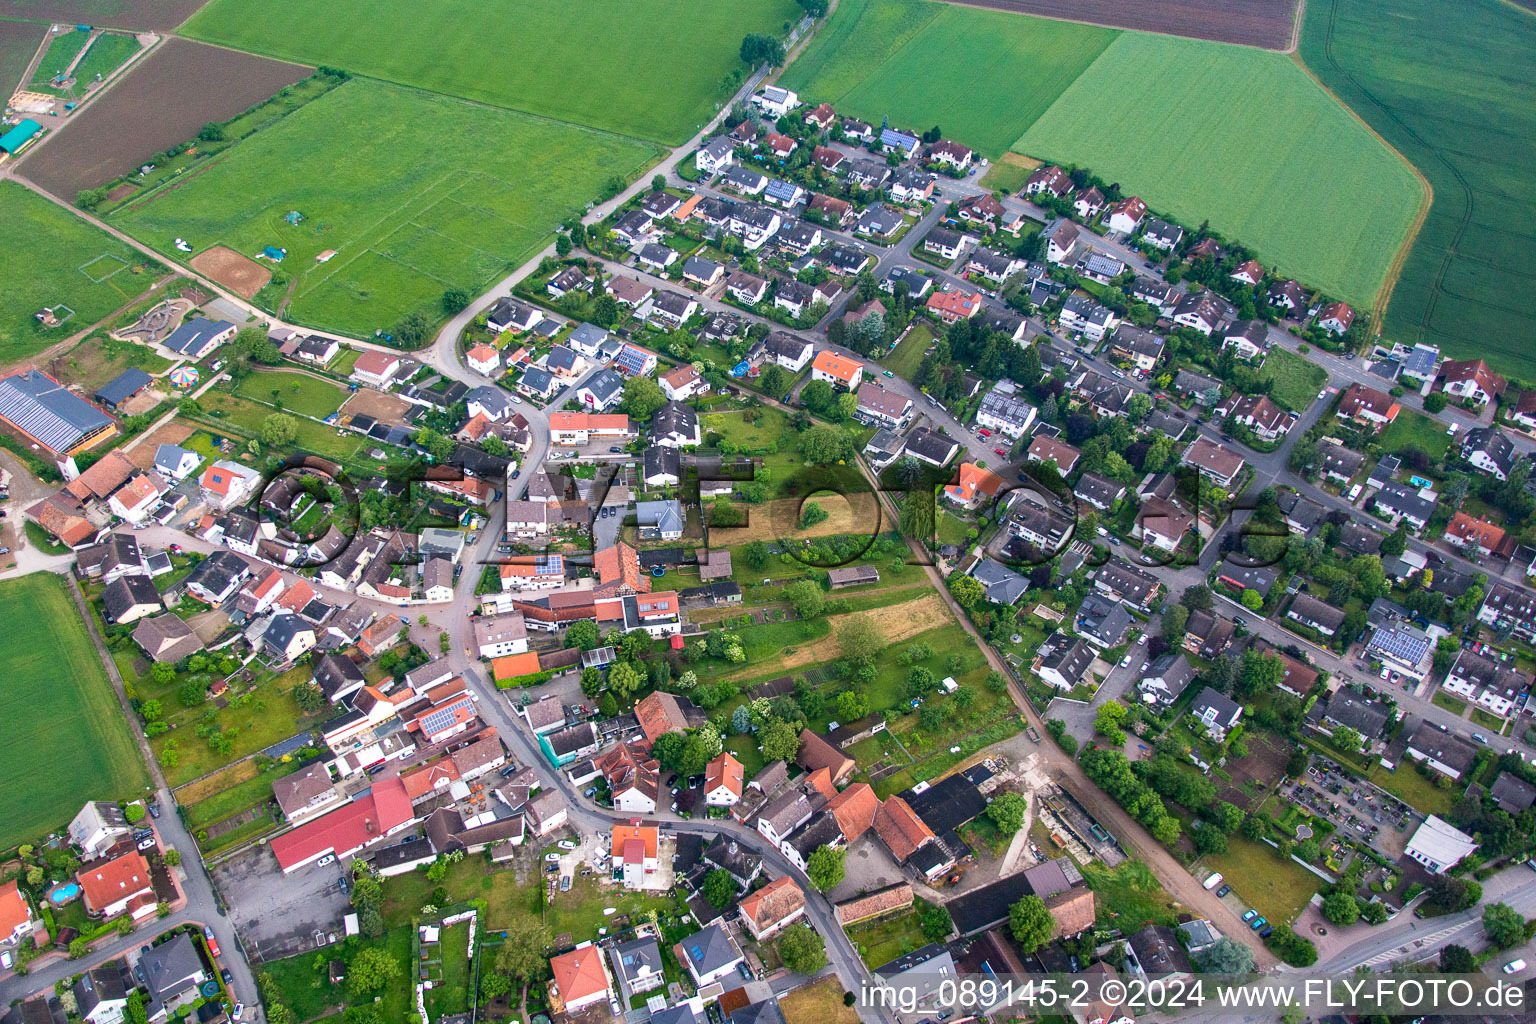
(279, 429)
(1209, 839)
(1030, 923)
(456, 300)
(310, 698)
(522, 953)
(1341, 908)
(1252, 600)
(583, 634)
(370, 970)
(719, 888)
(1226, 816)
(642, 396)
(1007, 813)
(850, 705)
(1454, 894)
(760, 49)
(755, 554)
(824, 867)
(1197, 598)
(1456, 959)
(1503, 925)
(172, 857)
(966, 591)
(936, 923)
(1174, 621)
(861, 641)
(134, 813)
(1373, 913)
(780, 740)
(801, 949)
(825, 445)
(807, 598)
(811, 513)
(1108, 722)
(1262, 672)
(605, 311)
(1346, 738)
(624, 679)
(1227, 956)
(1434, 402)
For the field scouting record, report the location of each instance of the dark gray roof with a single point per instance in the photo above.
(1225, 708)
(125, 592)
(171, 967)
(127, 383)
(56, 417)
(710, 949)
(192, 338)
(1002, 584)
(1512, 793)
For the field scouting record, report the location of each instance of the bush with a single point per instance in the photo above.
(1434, 402)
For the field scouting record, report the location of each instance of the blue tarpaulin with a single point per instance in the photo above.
(740, 369)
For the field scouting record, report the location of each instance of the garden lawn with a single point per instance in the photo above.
(750, 430)
(820, 1002)
(58, 704)
(271, 714)
(1454, 95)
(952, 529)
(1414, 789)
(1276, 888)
(238, 797)
(1159, 115)
(82, 268)
(99, 359)
(923, 64)
(1129, 896)
(745, 749)
(1412, 429)
(908, 355)
(452, 994)
(1297, 379)
(409, 220)
(880, 942)
(582, 61)
(580, 911)
(305, 986)
(245, 417)
(295, 391)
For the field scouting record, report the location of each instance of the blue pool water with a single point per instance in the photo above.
(64, 893)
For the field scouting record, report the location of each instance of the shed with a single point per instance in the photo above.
(14, 140)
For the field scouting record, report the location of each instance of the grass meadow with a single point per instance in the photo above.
(655, 69)
(1454, 96)
(79, 267)
(418, 193)
(62, 48)
(295, 391)
(1297, 379)
(60, 708)
(108, 53)
(981, 76)
(1245, 139)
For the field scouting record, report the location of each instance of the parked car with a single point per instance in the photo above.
(226, 976)
(1257, 923)
(1249, 915)
(565, 883)
(552, 858)
(1515, 966)
(1223, 890)
(329, 858)
(566, 844)
(615, 450)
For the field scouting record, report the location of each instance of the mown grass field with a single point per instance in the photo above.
(1297, 379)
(1454, 95)
(981, 76)
(60, 708)
(655, 69)
(294, 391)
(1235, 136)
(418, 194)
(79, 267)
(1415, 430)
(108, 53)
(1277, 888)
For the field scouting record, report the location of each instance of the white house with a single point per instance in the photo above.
(1439, 846)
(176, 463)
(776, 101)
(226, 484)
(723, 781)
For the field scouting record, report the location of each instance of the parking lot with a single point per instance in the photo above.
(278, 915)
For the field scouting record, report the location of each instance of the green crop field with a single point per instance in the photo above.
(61, 711)
(418, 193)
(108, 53)
(1457, 97)
(79, 267)
(656, 69)
(1245, 139)
(61, 50)
(982, 76)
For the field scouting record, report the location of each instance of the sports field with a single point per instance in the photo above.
(1457, 96)
(417, 193)
(79, 267)
(1244, 139)
(61, 714)
(982, 76)
(655, 69)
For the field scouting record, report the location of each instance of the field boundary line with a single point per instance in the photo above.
(1400, 259)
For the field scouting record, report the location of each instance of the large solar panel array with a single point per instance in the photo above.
(57, 418)
(1400, 644)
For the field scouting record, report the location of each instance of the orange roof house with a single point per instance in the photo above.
(954, 305)
(1466, 530)
(855, 809)
(659, 714)
(1368, 405)
(514, 665)
(973, 481)
(816, 752)
(15, 914)
(899, 827)
(110, 886)
(724, 778)
(618, 571)
(581, 977)
(832, 367)
(648, 836)
(773, 907)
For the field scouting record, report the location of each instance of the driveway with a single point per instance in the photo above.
(278, 914)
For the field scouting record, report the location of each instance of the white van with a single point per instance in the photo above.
(1213, 881)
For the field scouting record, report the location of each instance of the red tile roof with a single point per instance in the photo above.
(973, 479)
(724, 771)
(899, 827)
(778, 900)
(659, 714)
(114, 880)
(647, 835)
(579, 974)
(14, 912)
(364, 820)
(855, 809)
(816, 752)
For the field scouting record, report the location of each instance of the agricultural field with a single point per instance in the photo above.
(59, 702)
(157, 15)
(408, 221)
(294, 391)
(1266, 23)
(81, 268)
(584, 61)
(1454, 97)
(63, 47)
(108, 53)
(1159, 115)
(161, 101)
(946, 71)
(18, 42)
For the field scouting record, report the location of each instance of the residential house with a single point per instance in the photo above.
(1165, 678)
(879, 221)
(1336, 317)
(226, 484)
(602, 390)
(118, 886)
(952, 305)
(1126, 216)
(950, 154)
(723, 781)
(790, 351)
(1088, 203)
(1205, 312)
(931, 447)
(1488, 683)
(946, 243)
(97, 828)
(1287, 296)
(973, 485)
(1060, 241)
(166, 638)
(633, 778)
(1005, 412)
(909, 185)
(1102, 622)
(580, 978)
(1446, 753)
(1162, 235)
(1141, 348)
(660, 520)
(1162, 523)
(1155, 292)
(1249, 272)
(883, 407)
(1213, 461)
(1100, 267)
(1267, 420)
(174, 972)
(675, 425)
(1063, 661)
(1472, 380)
(1217, 712)
(1475, 535)
(1489, 450)
(709, 955)
(1315, 614)
(1044, 448)
(1050, 180)
(771, 909)
(842, 373)
(509, 314)
(1248, 338)
(1439, 845)
(714, 156)
(1082, 315)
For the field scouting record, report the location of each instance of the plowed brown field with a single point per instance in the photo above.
(1265, 23)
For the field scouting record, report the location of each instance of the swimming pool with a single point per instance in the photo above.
(65, 893)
